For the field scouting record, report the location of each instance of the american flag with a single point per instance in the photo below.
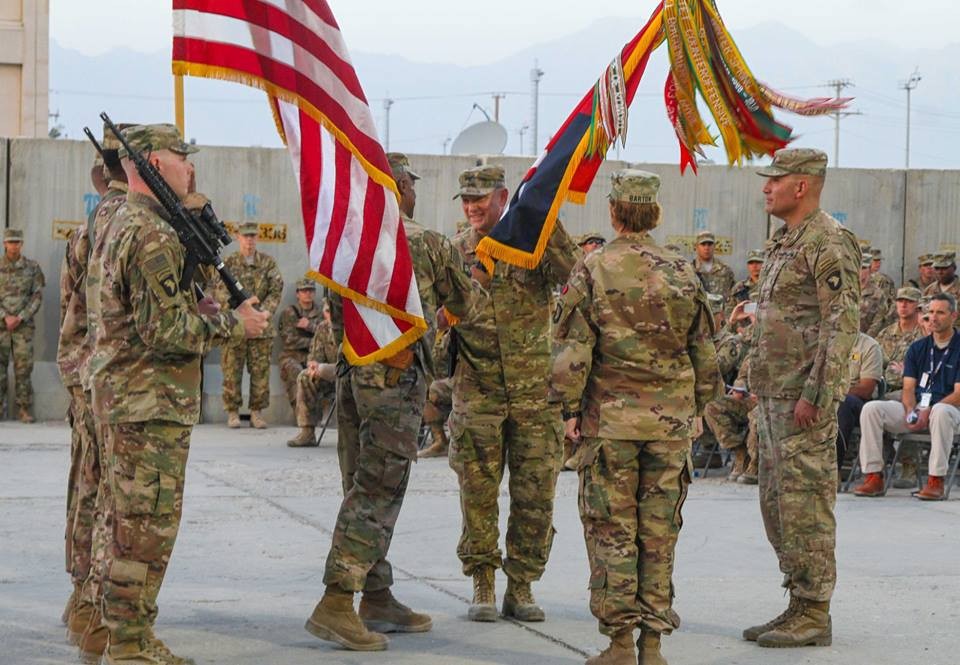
(293, 49)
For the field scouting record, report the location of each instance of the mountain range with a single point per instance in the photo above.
(433, 102)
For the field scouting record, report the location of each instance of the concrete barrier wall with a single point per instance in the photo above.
(50, 192)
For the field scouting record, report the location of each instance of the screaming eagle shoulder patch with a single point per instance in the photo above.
(834, 281)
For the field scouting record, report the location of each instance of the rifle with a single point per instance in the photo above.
(202, 234)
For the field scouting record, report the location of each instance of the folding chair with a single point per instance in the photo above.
(922, 442)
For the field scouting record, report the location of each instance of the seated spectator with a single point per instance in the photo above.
(866, 372)
(316, 385)
(931, 396)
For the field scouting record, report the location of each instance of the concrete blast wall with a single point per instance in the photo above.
(45, 190)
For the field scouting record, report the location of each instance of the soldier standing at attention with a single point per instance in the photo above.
(746, 289)
(807, 322)
(379, 408)
(500, 415)
(260, 276)
(21, 289)
(716, 276)
(145, 375)
(927, 273)
(882, 280)
(875, 306)
(298, 322)
(945, 263)
(633, 366)
(73, 351)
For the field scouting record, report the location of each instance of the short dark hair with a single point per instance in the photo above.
(636, 217)
(947, 298)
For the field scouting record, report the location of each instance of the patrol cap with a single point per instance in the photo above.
(634, 186)
(110, 140)
(716, 302)
(866, 260)
(755, 256)
(400, 164)
(909, 293)
(480, 181)
(306, 285)
(802, 161)
(944, 259)
(249, 229)
(925, 259)
(12, 235)
(163, 136)
(588, 238)
(706, 236)
(877, 255)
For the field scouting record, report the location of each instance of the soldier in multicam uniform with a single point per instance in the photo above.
(716, 276)
(21, 289)
(379, 409)
(633, 398)
(884, 281)
(875, 306)
(500, 416)
(145, 375)
(73, 350)
(298, 322)
(590, 241)
(260, 276)
(746, 289)
(927, 273)
(945, 263)
(807, 318)
(728, 418)
(316, 383)
(894, 341)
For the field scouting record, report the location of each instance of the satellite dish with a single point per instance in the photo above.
(483, 138)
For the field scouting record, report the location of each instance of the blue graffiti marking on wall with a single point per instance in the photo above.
(251, 205)
(840, 216)
(90, 201)
(700, 216)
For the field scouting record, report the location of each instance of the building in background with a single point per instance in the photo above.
(24, 67)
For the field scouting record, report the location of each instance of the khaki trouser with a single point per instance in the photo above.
(879, 417)
(798, 490)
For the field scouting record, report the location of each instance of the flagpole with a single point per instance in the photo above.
(178, 103)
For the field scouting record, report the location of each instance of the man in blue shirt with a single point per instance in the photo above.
(930, 401)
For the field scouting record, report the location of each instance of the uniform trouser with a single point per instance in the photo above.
(798, 490)
(440, 395)
(82, 486)
(878, 417)
(312, 391)
(730, 421)
(255, 354)
(524, 437)
(631, 495)
(290, 369)
(848, 417)
(378, 418)
(146, 465)
(18, 344)
(92, 591)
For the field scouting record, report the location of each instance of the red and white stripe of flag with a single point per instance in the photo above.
(294, 50)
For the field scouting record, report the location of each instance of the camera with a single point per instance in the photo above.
(913, 417)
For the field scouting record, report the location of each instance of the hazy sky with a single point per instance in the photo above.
(435, 30)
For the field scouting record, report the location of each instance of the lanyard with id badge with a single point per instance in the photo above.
(928, 377)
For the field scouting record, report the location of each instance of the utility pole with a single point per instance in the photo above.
(446, 142)
(497, 96)
(535, 75)
(838, 85)
(521, 132)
(909, 85)
(387, 103)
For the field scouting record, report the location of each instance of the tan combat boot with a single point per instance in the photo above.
(484, 607)
(233, 419)
(93, 642)
(750, 475)
(71, 603)
(383, 613)
(439, 446)
(146, 651)
(305, 438)
(257, 421)
(78, 621)
(649, 649)
(518, 602)
(335, 620)
(23, 415)
(810, 626)
(753, 632)
(620, 652)
(739, 463)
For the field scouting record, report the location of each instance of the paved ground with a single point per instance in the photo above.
(248, 567)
